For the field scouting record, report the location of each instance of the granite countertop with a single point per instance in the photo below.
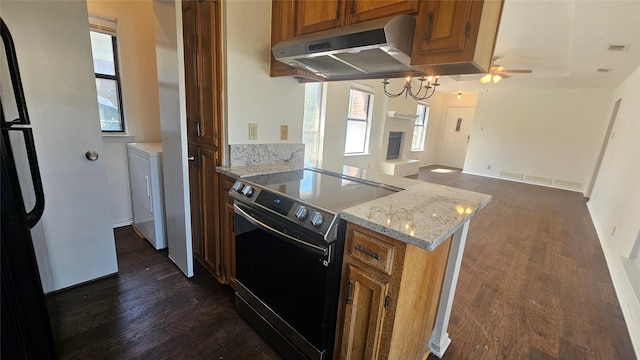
(423, 214)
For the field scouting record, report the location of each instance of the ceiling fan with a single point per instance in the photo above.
(497, 73)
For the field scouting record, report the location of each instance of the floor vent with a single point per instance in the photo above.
(511, 175)
(618, 48)
(538, 179)
(573, 185)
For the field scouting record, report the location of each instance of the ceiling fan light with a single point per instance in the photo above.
(497, 79)
(485, 79)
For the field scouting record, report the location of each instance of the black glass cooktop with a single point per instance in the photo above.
(328, 190)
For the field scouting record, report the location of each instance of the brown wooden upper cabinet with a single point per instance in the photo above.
(318, 15)
(455, 37)
(451, 37)
(200, 19)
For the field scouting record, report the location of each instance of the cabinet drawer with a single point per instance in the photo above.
(372, 251)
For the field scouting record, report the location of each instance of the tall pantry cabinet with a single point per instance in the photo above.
(202, 52)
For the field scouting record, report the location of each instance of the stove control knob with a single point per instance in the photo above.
(237, 186)
(247, 191)
(301, 212)
(317, 219)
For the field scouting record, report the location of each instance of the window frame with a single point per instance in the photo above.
(367, 120)
(107, 26)
(421, 127)
(318, 133)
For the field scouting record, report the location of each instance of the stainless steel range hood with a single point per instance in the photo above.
(375, 49)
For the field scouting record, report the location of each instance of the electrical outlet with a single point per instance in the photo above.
(253, 131)
(284, 132)
(488, 167)
(613, 232)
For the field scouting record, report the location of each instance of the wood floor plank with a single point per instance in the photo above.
(554, 296)
(149, 310)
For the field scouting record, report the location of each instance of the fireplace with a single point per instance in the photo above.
(395, 145)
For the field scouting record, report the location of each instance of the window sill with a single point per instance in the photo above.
(357, 154)
(117, 138)
(417, 151)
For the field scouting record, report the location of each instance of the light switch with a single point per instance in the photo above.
(253, 131)
(284, 132)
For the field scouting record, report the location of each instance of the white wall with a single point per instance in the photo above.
(173, 122)
(615, 200)
(139, 80)
(117, 160)
(438, 105)
(139, 85)
(252, 95)
(336, 118)
(552, 133)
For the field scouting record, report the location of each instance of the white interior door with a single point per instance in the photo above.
(455, 136)
(74, 240)
(173, 124)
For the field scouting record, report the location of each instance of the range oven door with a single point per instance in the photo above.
(292, 285)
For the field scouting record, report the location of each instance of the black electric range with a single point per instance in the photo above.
(289, 243)
(311, 198)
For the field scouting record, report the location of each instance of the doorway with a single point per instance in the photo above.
(455, 136)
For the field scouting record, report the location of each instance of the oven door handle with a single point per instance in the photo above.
(317, 249)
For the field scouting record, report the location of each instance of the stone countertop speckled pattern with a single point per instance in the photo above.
(423, 214)
(244, 171)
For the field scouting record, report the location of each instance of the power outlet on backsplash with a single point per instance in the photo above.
(284, 132)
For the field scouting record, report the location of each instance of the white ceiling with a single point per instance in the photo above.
(563, 42)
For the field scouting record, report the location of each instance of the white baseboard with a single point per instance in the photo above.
(521, 181)
(121, 223)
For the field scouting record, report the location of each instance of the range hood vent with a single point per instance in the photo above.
(375, 49)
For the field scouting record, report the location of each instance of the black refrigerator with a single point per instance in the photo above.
(25, 325)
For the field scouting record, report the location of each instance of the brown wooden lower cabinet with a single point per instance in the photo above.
(204, 199)
(389, 297)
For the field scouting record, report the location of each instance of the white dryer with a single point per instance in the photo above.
(145, 174)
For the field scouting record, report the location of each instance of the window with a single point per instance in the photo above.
(420, 128)
(104, 47)
(358, 119)
(313, 122)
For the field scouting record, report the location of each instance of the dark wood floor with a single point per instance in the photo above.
(533, 285)
(151, 311)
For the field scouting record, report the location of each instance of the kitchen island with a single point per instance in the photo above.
(420, 219)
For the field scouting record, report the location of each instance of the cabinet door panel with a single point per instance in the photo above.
(208, 74)
(195, 196)
(443, 26)
(189, 29)
(318, 15)
(364, 315)
(210, 206)
(364, 10)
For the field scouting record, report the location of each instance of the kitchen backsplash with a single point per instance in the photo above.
(259, 154)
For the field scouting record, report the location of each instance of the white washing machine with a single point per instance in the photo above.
(145, 174)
